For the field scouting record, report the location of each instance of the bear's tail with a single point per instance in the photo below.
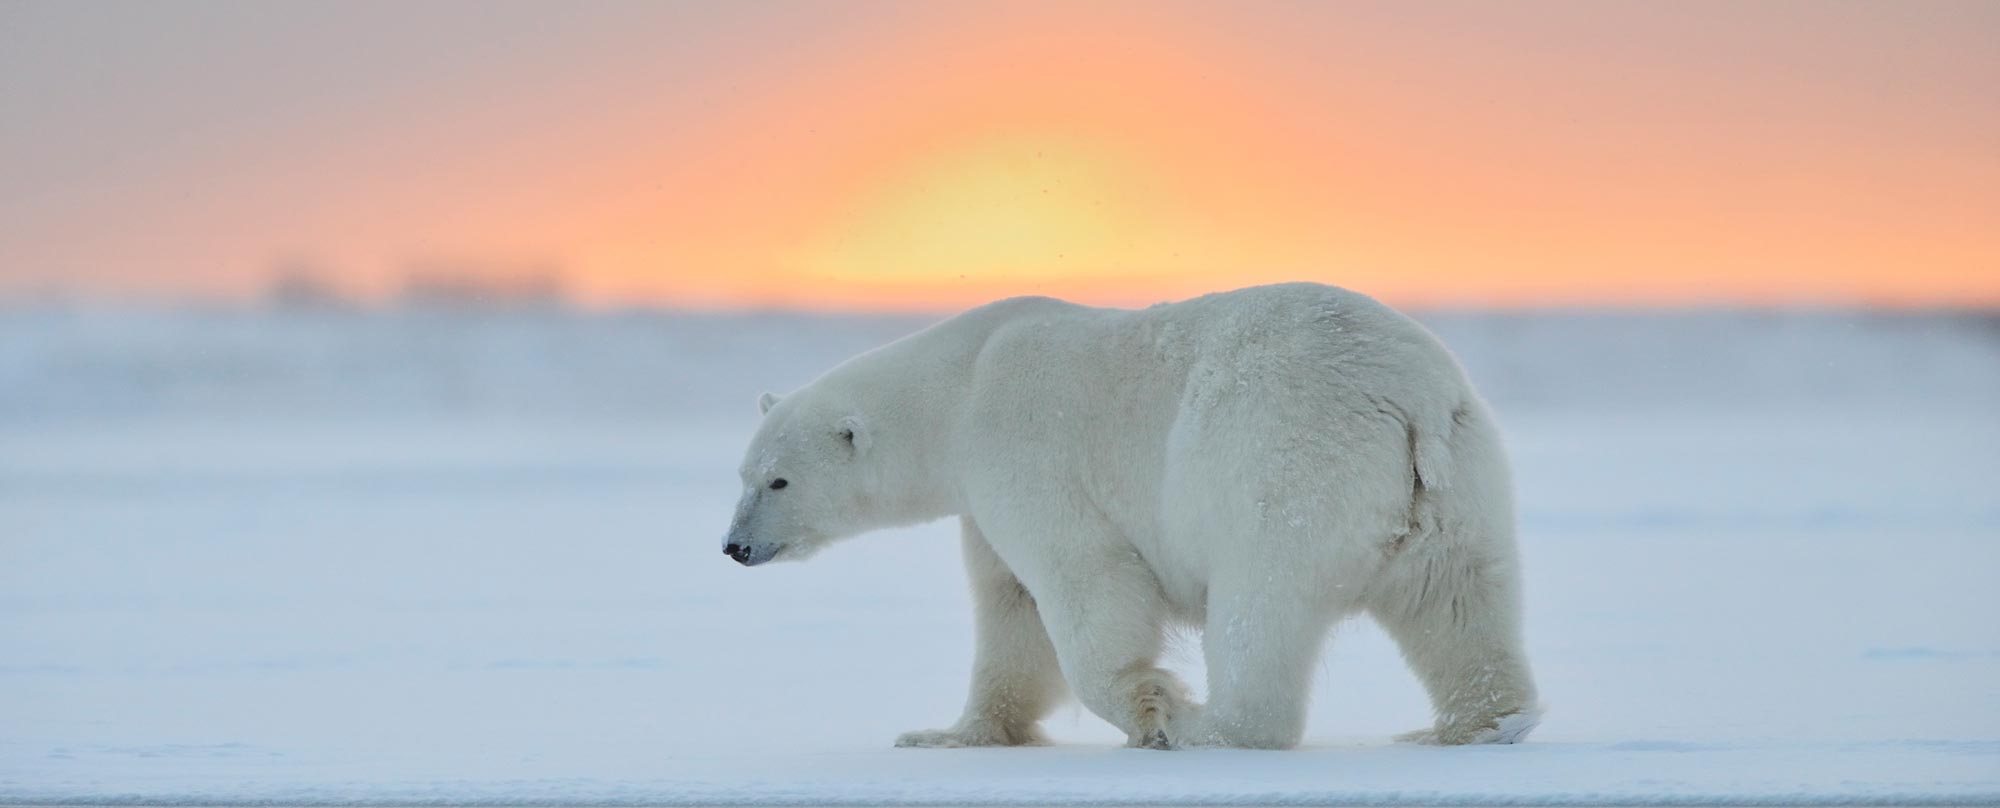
(1430, 446)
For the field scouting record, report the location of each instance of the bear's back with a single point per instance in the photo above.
(1307, 338)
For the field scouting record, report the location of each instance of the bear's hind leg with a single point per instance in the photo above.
(1015, 679)
(1456, 615)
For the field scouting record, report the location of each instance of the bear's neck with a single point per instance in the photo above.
(916, 389)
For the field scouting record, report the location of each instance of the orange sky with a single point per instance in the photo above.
(930, 156)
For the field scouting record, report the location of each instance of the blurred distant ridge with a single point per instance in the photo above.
(530, 356)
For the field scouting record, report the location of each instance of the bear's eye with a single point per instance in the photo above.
(779, 483)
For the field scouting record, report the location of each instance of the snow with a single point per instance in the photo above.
(475, 558)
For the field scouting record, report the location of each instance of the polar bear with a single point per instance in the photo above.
(1260, 463)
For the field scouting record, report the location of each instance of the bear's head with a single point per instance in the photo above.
(806, 480)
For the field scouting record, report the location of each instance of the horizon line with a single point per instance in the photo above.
(196, 304)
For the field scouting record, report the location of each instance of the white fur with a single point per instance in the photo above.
(1261, 462)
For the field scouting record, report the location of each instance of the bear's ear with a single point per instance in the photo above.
(855, 432)
(765, 402)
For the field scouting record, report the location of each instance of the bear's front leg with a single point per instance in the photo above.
(1103, 610)
(1015, 679)
(1262, 641)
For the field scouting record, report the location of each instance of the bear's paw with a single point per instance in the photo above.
(1510, 728)
(978, 733)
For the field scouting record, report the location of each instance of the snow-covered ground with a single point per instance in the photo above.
(474, 559)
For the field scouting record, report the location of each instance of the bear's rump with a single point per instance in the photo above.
(1245, 489)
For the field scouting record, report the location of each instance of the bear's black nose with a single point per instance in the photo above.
(731, 550)
(740, 552)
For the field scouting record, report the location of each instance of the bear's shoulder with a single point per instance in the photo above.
(1001, 317)
(1024, 306)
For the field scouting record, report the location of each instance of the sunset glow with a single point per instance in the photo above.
(930, 156)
